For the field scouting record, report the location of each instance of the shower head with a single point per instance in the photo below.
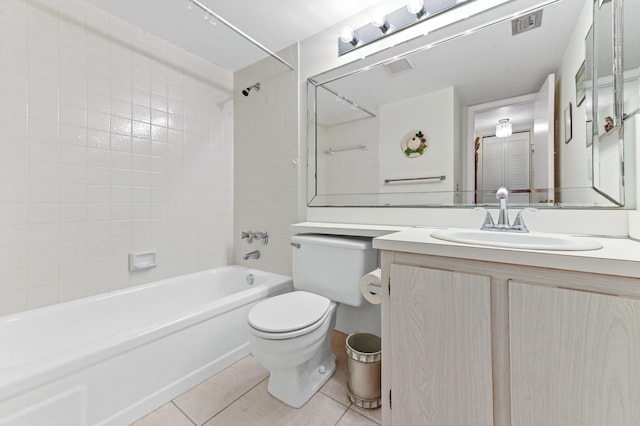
(248, 89)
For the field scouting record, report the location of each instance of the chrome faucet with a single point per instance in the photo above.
(252, 255)
(250, 236)
(503, 216)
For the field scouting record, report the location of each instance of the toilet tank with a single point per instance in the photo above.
(332, 266)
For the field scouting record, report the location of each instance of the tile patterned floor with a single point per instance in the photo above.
(238, 396)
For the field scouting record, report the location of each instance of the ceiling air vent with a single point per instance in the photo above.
(526, 22)
(398, 66)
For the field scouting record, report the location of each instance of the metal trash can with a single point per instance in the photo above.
(364, 353)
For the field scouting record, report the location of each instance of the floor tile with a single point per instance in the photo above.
(258, 408)
(211, 396)
(352, 418)
(238, 396)
(375, 415)
(167, 415)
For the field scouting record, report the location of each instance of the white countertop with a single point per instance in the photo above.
(618, 256)
(345, 229)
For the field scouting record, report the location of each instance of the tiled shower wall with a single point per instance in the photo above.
(111, 141)
(266, 161)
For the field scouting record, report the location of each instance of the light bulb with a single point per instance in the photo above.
(348, 36)
(381, 23)
(415, 6)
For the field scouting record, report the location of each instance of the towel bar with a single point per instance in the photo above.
(387, 181)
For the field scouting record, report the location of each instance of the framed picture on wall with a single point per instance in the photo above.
(568, 133)
(581, 88)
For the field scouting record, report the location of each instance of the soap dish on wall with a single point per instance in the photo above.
(142, 261)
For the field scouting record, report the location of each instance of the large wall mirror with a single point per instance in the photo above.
(518, 96)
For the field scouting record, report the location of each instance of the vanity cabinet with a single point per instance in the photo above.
(470, 342)
(575, 357)
(442, 348)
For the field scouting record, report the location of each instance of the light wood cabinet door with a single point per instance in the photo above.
(440, 357)
(575, 357)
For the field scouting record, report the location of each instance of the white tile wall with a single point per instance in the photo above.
(266, 153)
(111, 141)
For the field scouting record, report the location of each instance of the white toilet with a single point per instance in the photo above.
(290, 334)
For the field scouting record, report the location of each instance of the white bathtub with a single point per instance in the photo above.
(110, 359)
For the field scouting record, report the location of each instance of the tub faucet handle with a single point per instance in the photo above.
(249, 236)
(264, 236)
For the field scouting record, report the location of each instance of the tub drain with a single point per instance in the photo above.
(250, 279)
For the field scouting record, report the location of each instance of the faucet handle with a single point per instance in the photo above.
(488, 219)
(264, 236)
(518, 222)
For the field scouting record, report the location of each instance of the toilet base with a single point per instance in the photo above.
(299, 366)
(295, 387)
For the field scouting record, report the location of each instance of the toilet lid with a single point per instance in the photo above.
(288, 312)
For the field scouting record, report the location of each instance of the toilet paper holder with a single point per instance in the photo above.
(371, 286)
(374, 288)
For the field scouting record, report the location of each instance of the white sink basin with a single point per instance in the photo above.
(519, 240)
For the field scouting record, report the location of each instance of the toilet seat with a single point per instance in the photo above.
(289, 315)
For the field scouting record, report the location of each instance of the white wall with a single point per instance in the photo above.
(110, 142)
(434, 115)
(574, 155)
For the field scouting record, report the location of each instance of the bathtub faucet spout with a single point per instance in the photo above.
(252, 255)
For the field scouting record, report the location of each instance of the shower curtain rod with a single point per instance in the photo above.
(240, 32)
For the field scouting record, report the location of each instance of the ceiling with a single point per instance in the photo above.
(276, 24)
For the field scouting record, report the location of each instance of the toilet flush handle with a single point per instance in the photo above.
(296, 245)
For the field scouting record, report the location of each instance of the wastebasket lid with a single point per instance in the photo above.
(288, 312)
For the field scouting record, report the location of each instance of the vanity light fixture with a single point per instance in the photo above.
(503, 128)
(414, 11)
